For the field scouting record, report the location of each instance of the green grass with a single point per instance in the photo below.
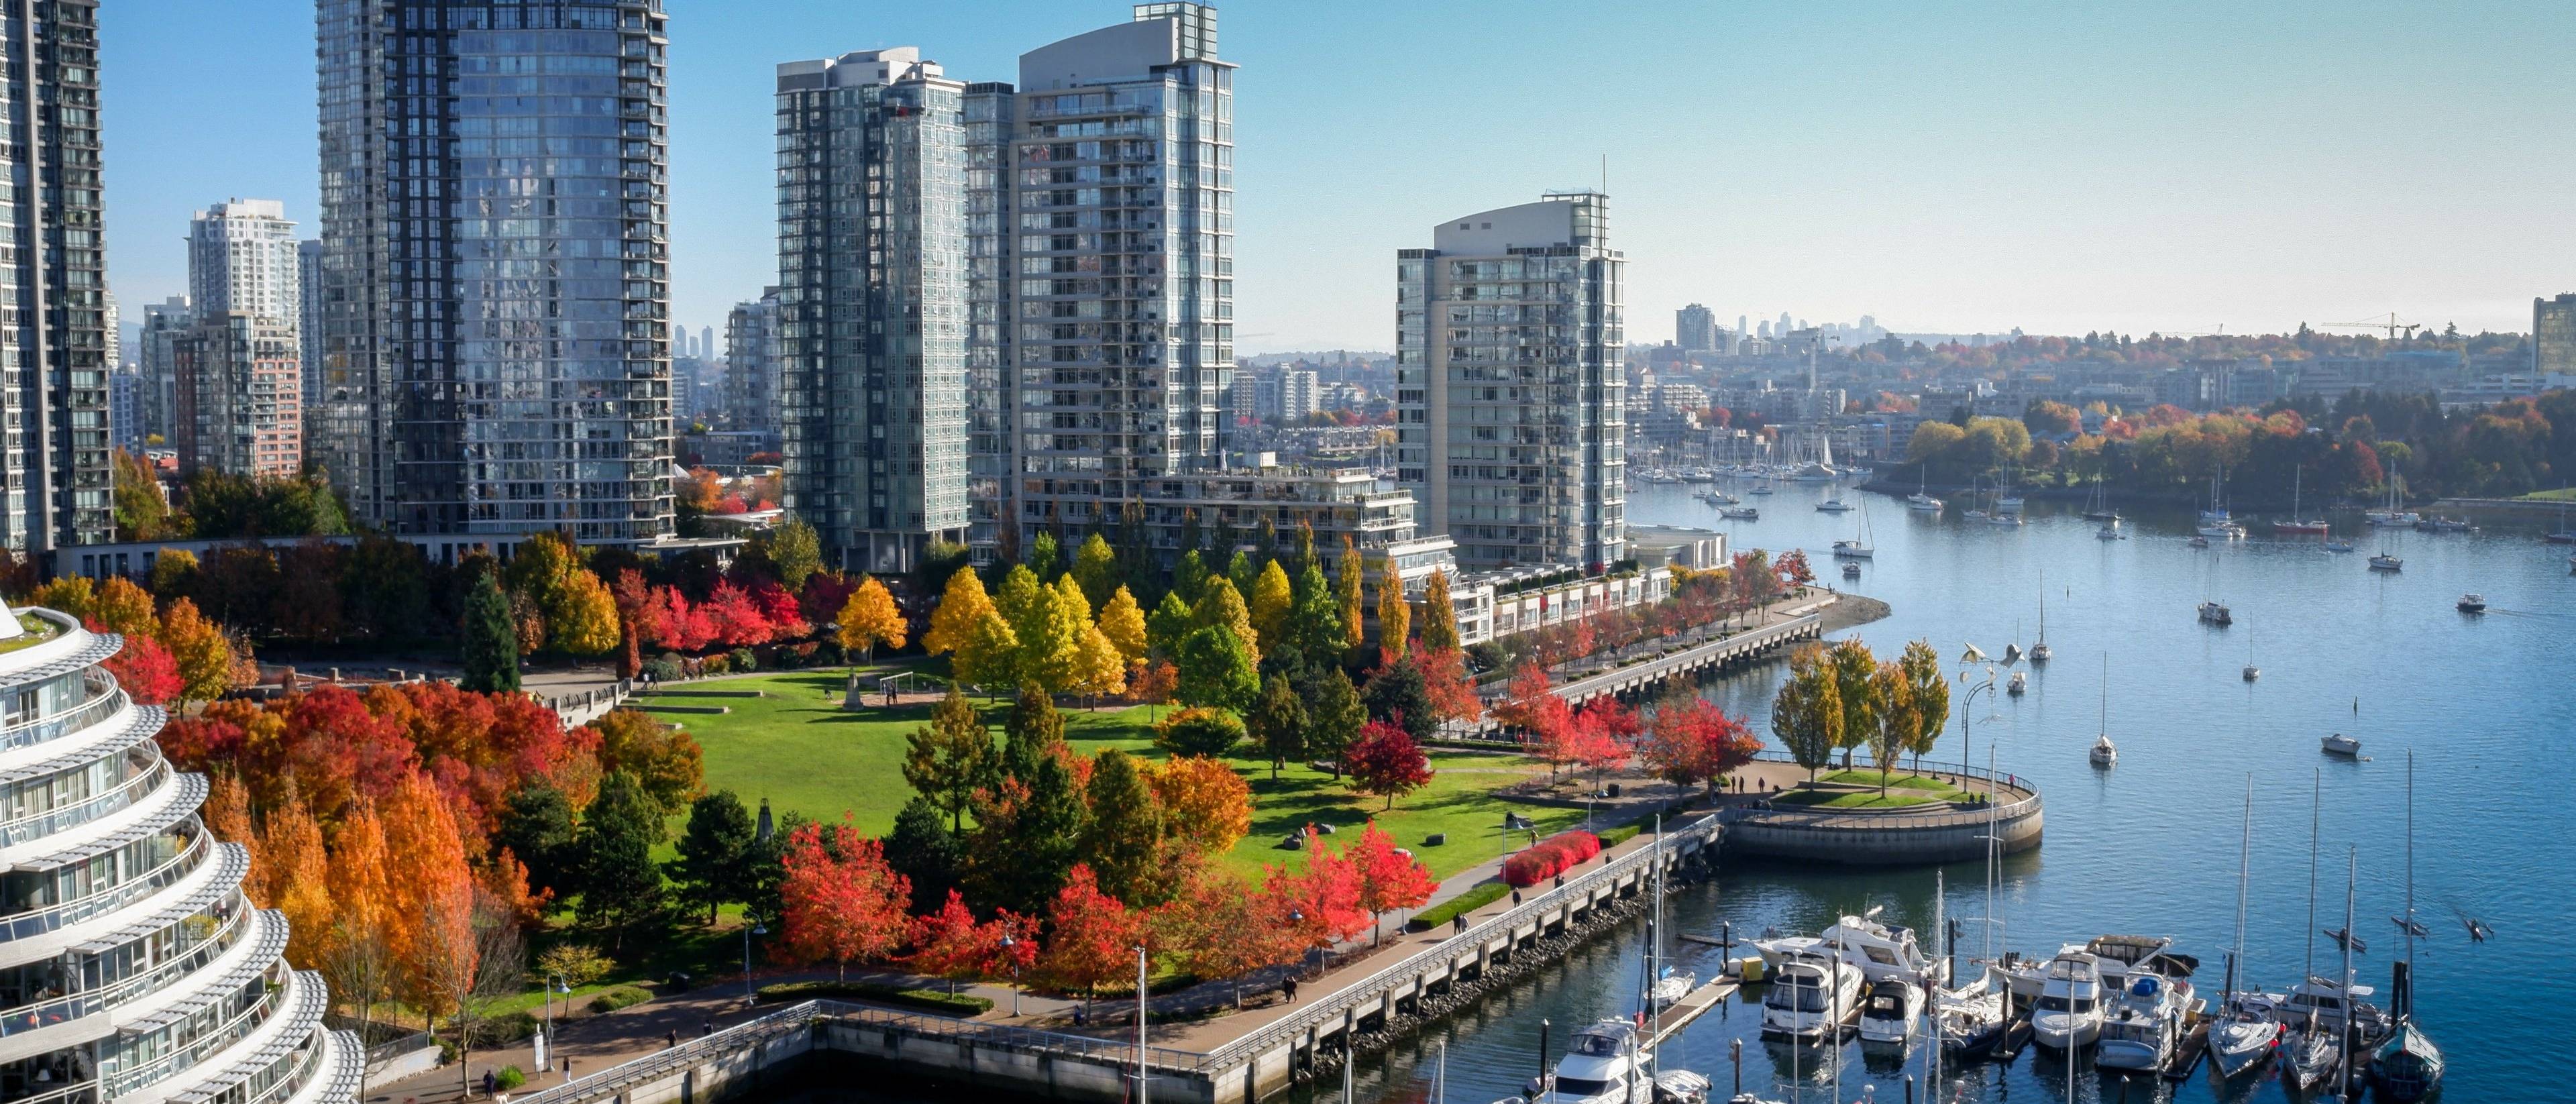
(1873, 779)
(1856, 799)
(2562, 494)
(37, 630)
(1475, 898)
(930, 1000)
(805, 754)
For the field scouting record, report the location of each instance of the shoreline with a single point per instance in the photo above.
(1851, 610)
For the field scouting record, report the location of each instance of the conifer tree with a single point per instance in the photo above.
(947, 760)
(1126, 828)
(490, 645)
(1279, 723)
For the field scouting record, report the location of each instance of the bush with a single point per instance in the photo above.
(664, 668)
(1550, 857)
(1475, 898)
(932, 1000)
(715, 664)
(828, 653)
(620, 996)
(578, 963)
(1210, 732)
(742, 660)
(1620, 835)
(510, 1078)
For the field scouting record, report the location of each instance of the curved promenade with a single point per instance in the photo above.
(1860, 837)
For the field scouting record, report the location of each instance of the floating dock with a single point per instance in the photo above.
(1692, 1006)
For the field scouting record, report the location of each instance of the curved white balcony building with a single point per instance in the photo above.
(131, 967)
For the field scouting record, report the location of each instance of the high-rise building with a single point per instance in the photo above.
(751, 387)
(53, 339)
(1296, 395)
(242, 259)
(1103, 186)
(872, 303)
(125, 411)
(308, 324)
(155, 362)
(496, 309)
(1695, 329)
(241, 395)
(154, 978)
(115, 327)
(1510, 384)
(2553, 334)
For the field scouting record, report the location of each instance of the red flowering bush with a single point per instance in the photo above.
(1550, 857)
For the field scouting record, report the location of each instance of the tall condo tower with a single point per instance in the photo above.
(496, 302)
(872, 303)
(1511, 390)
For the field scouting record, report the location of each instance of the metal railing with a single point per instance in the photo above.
(44, 1014)
(41, 729)
(1796, 817)
(1326, 1007)
(38, 825)
(730, 1041)
(110, 899)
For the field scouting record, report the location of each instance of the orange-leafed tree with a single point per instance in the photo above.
(430, 891)
(843, 903)
(357, 954)
(1445, 684)
(1094, 936)
(1152, 683)
(948, 943)
(297, 880)
(1694, 743)
(1219, 929)
(639, 618)
(1323, 900)
(1388, 878)
(1204, 802)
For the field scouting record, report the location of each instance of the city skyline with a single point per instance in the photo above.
(1883, 175)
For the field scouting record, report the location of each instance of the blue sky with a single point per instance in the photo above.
(1945, 167)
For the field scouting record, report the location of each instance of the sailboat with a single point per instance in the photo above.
(2309, 1053)
(2249, 1026)
(2389, 514)
(2565, 533)
(2098, 508)
(2105, 753)
(1919, 501)
(2408, 1065)
(2293, 523)
(2252, 672)
(2039, 652)
(1857, 548)
(2386, 560)
(2214, 521)
(2007, 502)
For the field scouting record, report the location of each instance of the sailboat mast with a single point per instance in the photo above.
(2316, 811)
(2343, 1044)
(2410, 883)
(2244, 862)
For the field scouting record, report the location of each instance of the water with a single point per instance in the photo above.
(2150, 847)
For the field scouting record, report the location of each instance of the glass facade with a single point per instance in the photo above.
(53, 327)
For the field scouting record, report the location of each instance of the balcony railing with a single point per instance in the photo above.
(47, 1013)
(113, 898)
(41, 729)
(51, 821)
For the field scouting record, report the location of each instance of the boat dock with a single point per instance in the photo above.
(2195, 1045)
(1692, 1006)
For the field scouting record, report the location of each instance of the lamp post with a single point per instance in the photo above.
(749, 930)
(554, 985)
(1966, 704)
(1008, 942)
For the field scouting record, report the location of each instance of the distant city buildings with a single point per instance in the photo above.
(1510, 390)
(155, 365)
(1695, 329)
(240, 387)
(752, 388)
(2553, 335)
(243, 258)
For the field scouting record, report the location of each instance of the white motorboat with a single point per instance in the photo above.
(1810, 996)
(2328, 999)
(1833, 506)
(1882, 952)
(1970, 1020)
(1673, 986)
(2143, 1024)
(2340, 744)
(1604, 1063)
(1891, 1011)
(2104, 753)
(2249, 1033)
(2473, 603)
(2068, 1013)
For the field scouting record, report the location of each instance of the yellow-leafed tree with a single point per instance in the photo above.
(962, 605)
(1123, 622)
(1272, 598)
(1102, 666)
(1394, 618)
(582, 618)
(1221, 606)
(869, 619)
(1439, 621)
(1346, 589)
(198, 647)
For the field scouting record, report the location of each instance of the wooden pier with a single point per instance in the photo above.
(1692, 1006)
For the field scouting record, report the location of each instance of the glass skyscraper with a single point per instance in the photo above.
(496, 352)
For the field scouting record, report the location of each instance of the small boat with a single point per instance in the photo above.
(1852, 550)
(1741, 513)
(1923, 503)
(2098, 507)
(2144, 1024)
(2019, 685)
(2389, 514)
(2040, 652)
(1672, 987)
(2386, 562)
(1809, 996)
(2104, 753)
(2109, 533)
(1760, 490)
(2247, 1034)
(2068, 1014)
(1972, 1020)
(2340, 744)
(1882, 952)
(2338, 546)
(2309, 1058)
(2252, 672)
(1974, 514)
(2408, 1065)
(2295, 524)
(1851, 569)
(2198, 542)
(1890, 1011)
(1833, 506)
(2473, 603)
(2216, 613)
(2003, 519)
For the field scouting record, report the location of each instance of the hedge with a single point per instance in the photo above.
(619, 996)
(933, 1000)
(1550, 857)
(1475, 898)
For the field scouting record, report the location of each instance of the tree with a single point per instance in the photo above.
(1388, 879)
(1278, 723)
(1446, 690)
(536, 824)
(1095, 569)
(358, 955)
(1853, 667)
(1126, 829)
(1169, 622)
(145, 670)
(925, 852)
(205, 658)
(538, 574)
(1272, 600)
(1605, 735)
(1204, 802)
(1387, 763)
(1894, 725)
(1315, 623)
(1397, 694)
(1807, 714)
(1792, 568)
(1221, 607)
(715, 851)
(124, 608)
(1334, 716)
(1198, 731)
(1099, 667)
(1323, 900)
(490, 649)
(990, 655)
(1123, 622)
(471, 958)
(1153, 682)
(1094, 936)
(947, 943)
(429, 890)
(1219, 929)
(961, 607)
(174, 572)
(1215, 669)
(795, 550)
(1694, 743)
(1439, 621)
(1393, 616)
(870, 619)
(142, 512)
(1346, 590)
(582, 620)
(842, 903)
(663, 759)
(297, 877)
(947, 760)
(1051, 636)
(621, 886)
(1930, 696)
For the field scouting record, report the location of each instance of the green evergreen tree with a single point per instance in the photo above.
(1334, 717)
(926, 851)
(1215, 670)
(1169, 622)
(715, 851)
(621, 886)
(537, 827)
(1315, 623)
(1044, 556)
(1279, 723)
(1032, 731)
(1126, 831)
(947, 760)
(1022, 848)
(1397, 695)
(1189, 577)
(490, 643)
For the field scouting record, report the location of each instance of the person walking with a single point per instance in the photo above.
(1288, 989)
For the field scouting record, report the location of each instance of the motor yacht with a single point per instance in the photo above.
(1882, 952)
(1833, 506)
(2339, 744)
(2327, 999)
(2068, 1013)
(1810, 996)
(1741, 513)
(2473, 603)
(2143, 1025)
(1851, 569)
(2216, 613)
(1604, 1063)
(1971, 1020)
(2247, 1034)
(1890, 1012)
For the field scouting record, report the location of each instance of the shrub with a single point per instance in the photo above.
(621, 996)
(1550, 857)
(716, 664)
(510, 1077)
(742, 660)
(1475, 898)
(578, 963)
(828, 653)
(934, 1000)
(1210, 732)
(664, 668)
(1622, 834)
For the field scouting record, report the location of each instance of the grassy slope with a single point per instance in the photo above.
(806, 755)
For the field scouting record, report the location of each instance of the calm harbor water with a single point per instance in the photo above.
(2487, 703)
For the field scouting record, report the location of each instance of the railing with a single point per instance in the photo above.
(121, 1082)
(1328, 1007)
(398, 1046)
(730, 1041)
(50, 821)
(42, 729)
(285, 1087)
(110, 899)
(1808, 817)
(44, 1014)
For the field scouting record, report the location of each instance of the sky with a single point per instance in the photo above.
(1945, 167)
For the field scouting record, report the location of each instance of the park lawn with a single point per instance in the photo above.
(802, 752)
(1872, 779)
(2562, 494)
(1854, 799)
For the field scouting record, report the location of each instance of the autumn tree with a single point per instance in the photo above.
(1393, 616)
(961, 606)
(1439, 620)
(843, 904)
(1388, 879)
(1929, 695)
(297, 879)
(947, 760)
(1894, 723)
(1387, 763)
(1323, 900)
(795, 551)
(990, 655)
(1279, 723)
(1272, 599)
(582, 619)
(358, 952)
(663, 759)
(1204, 802)
(1153, 683)
(1346, 590)
(1447, 691)
(202, 654)
(1095, 569)
(1852, 667)
(1219, 929)
(490, 640)
(429, 893)
(1099, 668)
(1094, 937)
(124, 608)
(1123, 623)
(1220, 607)
(1694, 743)
(1807, 713)
(869, 619)
(948, 943)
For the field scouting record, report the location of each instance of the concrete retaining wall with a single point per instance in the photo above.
(1878, 846)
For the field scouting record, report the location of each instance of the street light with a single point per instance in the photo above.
(1009, 942)
(749, 930)
(554, 984)
(1966, 703)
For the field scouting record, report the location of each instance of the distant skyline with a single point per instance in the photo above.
(2061, 169)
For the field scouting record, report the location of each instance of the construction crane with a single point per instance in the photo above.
(2390, 324)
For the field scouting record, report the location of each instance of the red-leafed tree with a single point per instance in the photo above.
(1323, 900)
(684, 627)
(824, 594)
(1792, 568)
(736, 621)
(783, 613)
(1388, 878)
(948, 943)
(144, 668)
(639, 618)
(843, 903)
(1694, 743)
(1385, 762)
(1093, 937)
(1446, 686)
(1220, 929)
(1605, 735)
